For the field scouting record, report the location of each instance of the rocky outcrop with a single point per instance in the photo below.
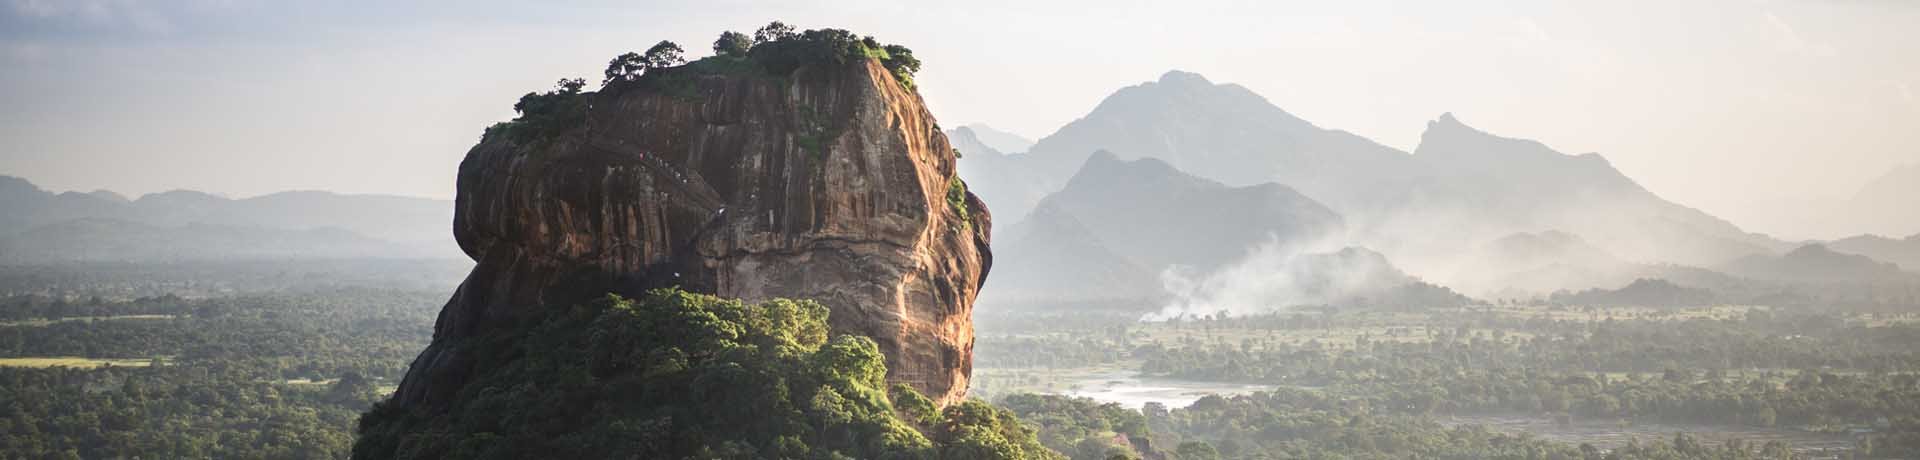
(832, 183)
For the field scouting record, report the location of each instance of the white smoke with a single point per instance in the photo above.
(1274, 277)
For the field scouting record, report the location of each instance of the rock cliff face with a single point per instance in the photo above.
(832, 183)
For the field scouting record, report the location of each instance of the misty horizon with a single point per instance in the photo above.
(1809, 99)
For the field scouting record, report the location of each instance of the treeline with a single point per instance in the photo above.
(774, 51)
(92, 284)
(1083, 429)
(28, 307)
(1808, 372)
(1310, 424)
(229, 409)
(1631, 346)
(1753, 367)
(1047, 352)
(1291, 423)
(372, 332)
(281, 375)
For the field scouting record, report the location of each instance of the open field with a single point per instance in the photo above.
(73, 362)
(994, 381)
(1594, 314)
(1332, 337)
(85, 319)
(311, 381)
(1613, 434)
(1417, 327)
(1119, 383)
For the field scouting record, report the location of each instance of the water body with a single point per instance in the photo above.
(1132, 391)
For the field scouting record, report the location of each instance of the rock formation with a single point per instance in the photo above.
(831, 183)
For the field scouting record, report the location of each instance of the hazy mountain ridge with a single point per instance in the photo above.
(1127, 231)
(1815, 263)
(1158, 216)
(1005, 142)
(1530, 263)
(1222, 132)
(1647, 292)
(93, 239)
(1499, 184)
(1052, 261)
(1005, 182)
(1527, 265)
(1460, 184)
(968, 143)
(160, 225)
(1903, 252)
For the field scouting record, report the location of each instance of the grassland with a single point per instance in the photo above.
(85, 319)
(73, 362)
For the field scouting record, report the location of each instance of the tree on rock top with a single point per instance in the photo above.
(732, 44)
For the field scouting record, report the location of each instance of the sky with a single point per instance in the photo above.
(1752, 110)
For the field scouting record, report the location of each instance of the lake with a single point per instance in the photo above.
(1128, 389)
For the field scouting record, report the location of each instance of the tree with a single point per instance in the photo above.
(774, 31)
(571, 86)
(629, 66)
(663, 54)
(901, 60)
(1767, 417)
(624, 67)
(732, 44)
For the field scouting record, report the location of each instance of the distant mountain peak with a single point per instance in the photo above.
(1000, 140)
(1184, 78)
(181, 196)
(1810, 250)
(109, 195)
(1105, 167)
(1816, 262)
(16, 185)
(1449, 124)
(1448, 137)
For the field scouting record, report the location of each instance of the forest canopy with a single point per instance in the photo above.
(675, 374)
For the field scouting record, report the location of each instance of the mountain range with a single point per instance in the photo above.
(1465, 208)
(1904, 252)
(1118, 224)
(38, 226)
(1817, 263)
(1172, 182)
(1002, 141)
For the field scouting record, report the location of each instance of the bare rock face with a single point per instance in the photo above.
(832, 183)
